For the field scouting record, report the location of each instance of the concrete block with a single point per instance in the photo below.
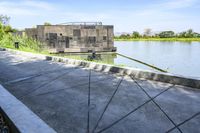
(147, 119)
(191, 125)
(23, 118)
(180, 103)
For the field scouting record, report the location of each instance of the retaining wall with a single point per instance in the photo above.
(20, 118)
(137, 73)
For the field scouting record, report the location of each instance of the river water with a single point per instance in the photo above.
(181, 58)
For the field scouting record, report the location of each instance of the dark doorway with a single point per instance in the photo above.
(66, 42)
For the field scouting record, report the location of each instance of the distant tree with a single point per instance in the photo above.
(186, 34)
(125, 36)
(147, 32)
(47, 23)
(7, 29)
(166, 34)
(4, 25)
(4, 19)
(135, 34)
(182, 34)
(189, 33)
(196, 35)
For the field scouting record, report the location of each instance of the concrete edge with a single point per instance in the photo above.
(137, 73)
(24, 120)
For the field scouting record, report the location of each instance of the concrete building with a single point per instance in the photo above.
(74, 37)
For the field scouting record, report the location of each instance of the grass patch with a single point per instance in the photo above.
(25, 44)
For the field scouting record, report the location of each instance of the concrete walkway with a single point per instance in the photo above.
(72, 99)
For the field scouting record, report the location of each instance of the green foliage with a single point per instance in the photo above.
(47, 23)
(4, 19)
(160, 39)
(188, 35)
(7, 29)
(7, 40)
(166, 34)
(25, 43)
(126, 36)
(1, 31)
(135, 34)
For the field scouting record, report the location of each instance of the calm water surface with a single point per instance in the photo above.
(182, 58)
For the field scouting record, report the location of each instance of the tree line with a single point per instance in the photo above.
(5, 28)
(163, 34)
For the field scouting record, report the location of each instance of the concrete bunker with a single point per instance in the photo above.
(74, 37)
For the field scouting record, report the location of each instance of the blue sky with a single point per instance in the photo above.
(125, 15)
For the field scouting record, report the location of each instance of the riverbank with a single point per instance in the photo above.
(159, 39)
(59, 93)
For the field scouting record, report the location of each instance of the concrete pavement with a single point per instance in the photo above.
(77, 100)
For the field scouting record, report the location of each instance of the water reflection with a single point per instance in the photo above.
(107, 58)
(180, 58)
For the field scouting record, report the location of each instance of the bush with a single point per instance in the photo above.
(25, 43)
(1, 31)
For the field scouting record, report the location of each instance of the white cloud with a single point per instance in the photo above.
(177, 4)
(164, 14)
(38, 4)
(25, 8)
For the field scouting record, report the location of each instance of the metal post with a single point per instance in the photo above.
(17, 45)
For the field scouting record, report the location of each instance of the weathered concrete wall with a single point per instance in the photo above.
(32, 32)
(75, 38)
(19, 33)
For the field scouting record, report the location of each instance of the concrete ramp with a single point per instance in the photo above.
(73, 99)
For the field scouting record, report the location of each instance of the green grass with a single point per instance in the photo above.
(25, 44)
(30, 45)
(159, 39)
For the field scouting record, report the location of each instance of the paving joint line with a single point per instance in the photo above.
(97, 81)
(108, 104)
(193, 116)
(88, 115)
(117, 121)
(156, 104)
(32, 76)
(52, 80)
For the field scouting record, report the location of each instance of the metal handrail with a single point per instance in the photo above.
(141, 62)
(81, 23)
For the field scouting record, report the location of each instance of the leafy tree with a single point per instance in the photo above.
(47, 23)
(166, 34)
(125, 36)
(196, 35)
(186, 34)
(189, 33)
(4, 19)
(135, 34)
(182, 35)
(7, 29)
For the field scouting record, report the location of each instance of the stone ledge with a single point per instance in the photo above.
(137, 73)
(23, 119)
